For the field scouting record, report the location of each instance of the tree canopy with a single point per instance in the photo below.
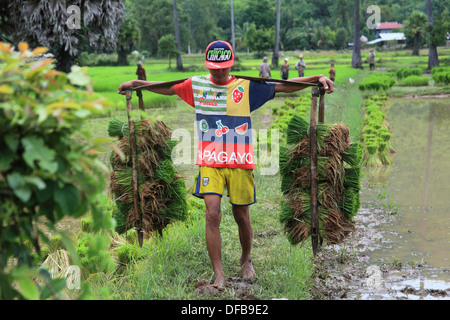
(304, 24)
(46, 23)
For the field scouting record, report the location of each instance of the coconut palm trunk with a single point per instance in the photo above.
(233, 39)
(416, 48)
(433, 59)
(356, 57)
(177, 36)
(277, 37)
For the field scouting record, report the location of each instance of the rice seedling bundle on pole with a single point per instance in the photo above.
(161, 189)
(337, 173)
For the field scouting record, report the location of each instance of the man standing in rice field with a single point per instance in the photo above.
(264, 69)
(332, 73)
(140, 72)
(285, 70)
(300, 66)
(372, 59)
(223, 104)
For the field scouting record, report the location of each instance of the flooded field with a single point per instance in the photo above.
(401, 249)
(418, 186)
(419, 181)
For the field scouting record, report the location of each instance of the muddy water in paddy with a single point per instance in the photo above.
(401, 249)
(419, 181)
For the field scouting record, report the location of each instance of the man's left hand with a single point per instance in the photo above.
(328, 85)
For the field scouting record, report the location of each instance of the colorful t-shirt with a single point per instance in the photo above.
(223, 120)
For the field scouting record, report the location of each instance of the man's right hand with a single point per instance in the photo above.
(123, 88)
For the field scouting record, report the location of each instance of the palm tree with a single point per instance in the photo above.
(240, 34)
(415, 27)
(44, 23)
(433, 59)
(233, 39)
(356, 56)
(277, 37)
(304, 35)
(177, 36)
(129, 36)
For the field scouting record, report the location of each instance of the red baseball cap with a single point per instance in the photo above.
(219, 55)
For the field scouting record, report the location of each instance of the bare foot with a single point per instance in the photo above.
(219, 282)
(247, 270)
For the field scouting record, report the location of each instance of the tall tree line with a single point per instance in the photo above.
(259, 25)
(304, 24)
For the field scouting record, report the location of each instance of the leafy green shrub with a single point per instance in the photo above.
(413, 81)
(402, 73)
(45, 175)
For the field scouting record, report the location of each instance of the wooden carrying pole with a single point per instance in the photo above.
(313, 155)
(141, 102)
(322, 105)
(141, 99)
(135, 176)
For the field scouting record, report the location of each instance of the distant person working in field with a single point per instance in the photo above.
(223, 104)
(372, 59)
(332, 73)
(285, 70)
(300, 66)
(140, 72)
(264, 69)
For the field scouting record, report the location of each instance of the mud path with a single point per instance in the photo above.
(241, 288)
(348, 272)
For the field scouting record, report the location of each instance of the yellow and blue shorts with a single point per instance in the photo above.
(240, 184)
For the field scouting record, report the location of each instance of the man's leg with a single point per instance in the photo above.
(212, 235)
(242, 217)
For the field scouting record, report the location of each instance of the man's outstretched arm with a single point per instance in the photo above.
(328, 85)
(169, 91)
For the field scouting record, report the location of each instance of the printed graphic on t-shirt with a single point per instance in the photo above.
(223, 118)
(221, 129)
(238, 103)
(208, 97)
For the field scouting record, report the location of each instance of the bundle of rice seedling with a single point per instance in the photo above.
(338, 176)
(376, 133)
(117, 128)
(162, 191)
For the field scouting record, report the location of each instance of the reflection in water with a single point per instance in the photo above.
(419, 181)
